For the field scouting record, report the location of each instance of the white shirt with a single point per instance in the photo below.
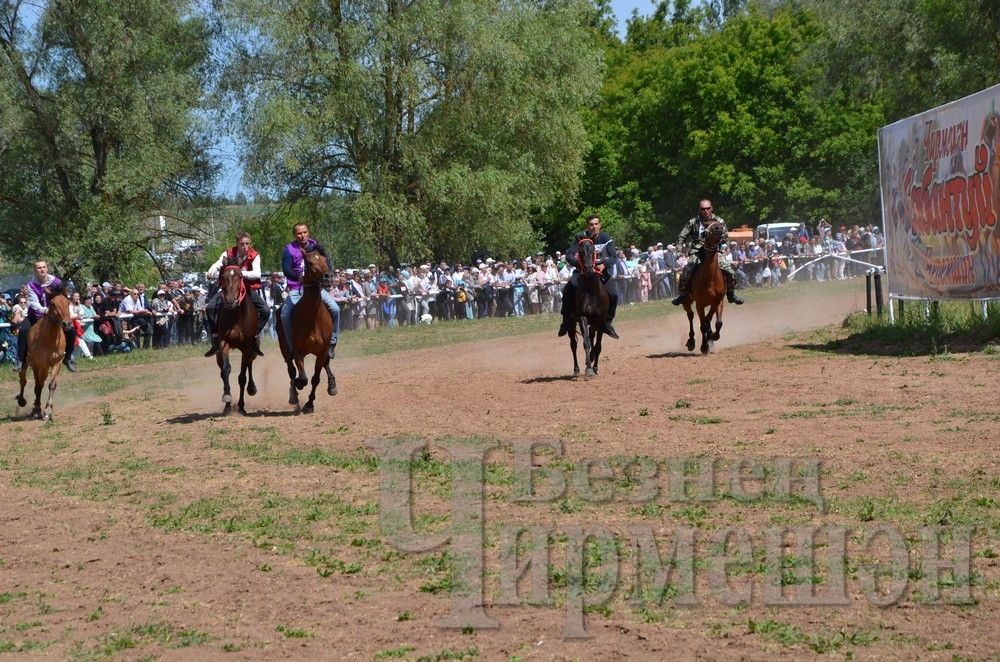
(252, 274)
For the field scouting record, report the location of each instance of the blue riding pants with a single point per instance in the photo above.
(289, 307)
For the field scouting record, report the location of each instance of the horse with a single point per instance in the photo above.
(312, 328)
(590, 309)
(46, 349)
(237, 328)
(708, 289)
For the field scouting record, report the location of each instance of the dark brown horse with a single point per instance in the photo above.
(237, 325)
(590, 308)
(46, 348)
(312, 328)
(708, 289)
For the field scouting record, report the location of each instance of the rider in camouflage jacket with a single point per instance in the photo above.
(690, 242)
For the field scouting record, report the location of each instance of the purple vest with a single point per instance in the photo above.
(298, 262)
(43, 299)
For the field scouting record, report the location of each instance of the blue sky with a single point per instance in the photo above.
(232, 172)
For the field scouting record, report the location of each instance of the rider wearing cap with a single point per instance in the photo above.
(604, 253)
(244, 256)
(42, 286)
(691, 239)
(294, 266)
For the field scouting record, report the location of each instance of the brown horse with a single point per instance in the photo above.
(46, 349)
(312, 328)
(237, 325)
(708, 289)
(590, 309)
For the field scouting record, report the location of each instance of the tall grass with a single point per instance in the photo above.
(949, 326)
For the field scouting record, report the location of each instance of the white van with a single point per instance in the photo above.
(776, 231)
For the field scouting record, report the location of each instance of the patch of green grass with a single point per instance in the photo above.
(293, 633)
(400, 651)
(450, 654)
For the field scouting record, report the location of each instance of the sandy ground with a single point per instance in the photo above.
(174, 531)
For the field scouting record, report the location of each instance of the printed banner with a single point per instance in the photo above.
(941, 198)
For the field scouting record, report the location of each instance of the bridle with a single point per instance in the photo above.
(579, 255)
(243, 284)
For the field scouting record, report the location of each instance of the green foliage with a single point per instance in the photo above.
(99, 127)
(446, 126)
(732, 114)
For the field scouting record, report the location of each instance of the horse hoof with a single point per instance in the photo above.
(227, 398)
(301, 383)
(241, 411)
(307, 409)
(704, 349)
(21, 402)
(591, 373)
(331, 390)
(251, 389)
(715, 336)
(690, 345)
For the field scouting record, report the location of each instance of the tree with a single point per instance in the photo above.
(98, 105)
(446, 124)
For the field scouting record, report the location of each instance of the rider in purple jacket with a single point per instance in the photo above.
(40, 288)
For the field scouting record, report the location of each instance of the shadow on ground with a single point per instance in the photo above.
(207, 416)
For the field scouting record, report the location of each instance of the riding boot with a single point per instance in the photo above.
(69, 363)
(609, 329)
(567, 324)
(214, 348)
(333, 350)
(256, 345)
(731, 290)
(683, 288)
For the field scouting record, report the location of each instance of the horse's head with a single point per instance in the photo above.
(58, 312)
(231, 284)
(585, 255)
(315, 267)
(713, 235)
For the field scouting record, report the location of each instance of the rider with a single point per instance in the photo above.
(691, 241)
(40, 288)
(248, 259)
(293, 264)
(604, 253)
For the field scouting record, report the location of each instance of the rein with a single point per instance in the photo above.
(243, 283)
(579, 256)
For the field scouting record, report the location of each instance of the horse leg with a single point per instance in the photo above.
(597, 349)
(706, 330)
(47, 414)
(690, 342)
(301, 380)
(320, 364)
(718, 321)
(572, 346)
(244, 363)
(587, 346)
(23, 377)
(222, 359)
(293, 393)
(36, 409)
(251, 386)
(331, 380)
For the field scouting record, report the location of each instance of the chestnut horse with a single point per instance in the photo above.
(708, 289)
(46, 349)
(590, 308)
(237, 328)
(312, 328)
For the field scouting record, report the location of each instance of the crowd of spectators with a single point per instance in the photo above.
(116, 318)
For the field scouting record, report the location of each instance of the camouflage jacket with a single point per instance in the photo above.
(691, 237)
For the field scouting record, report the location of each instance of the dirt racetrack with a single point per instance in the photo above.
(141, 523)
